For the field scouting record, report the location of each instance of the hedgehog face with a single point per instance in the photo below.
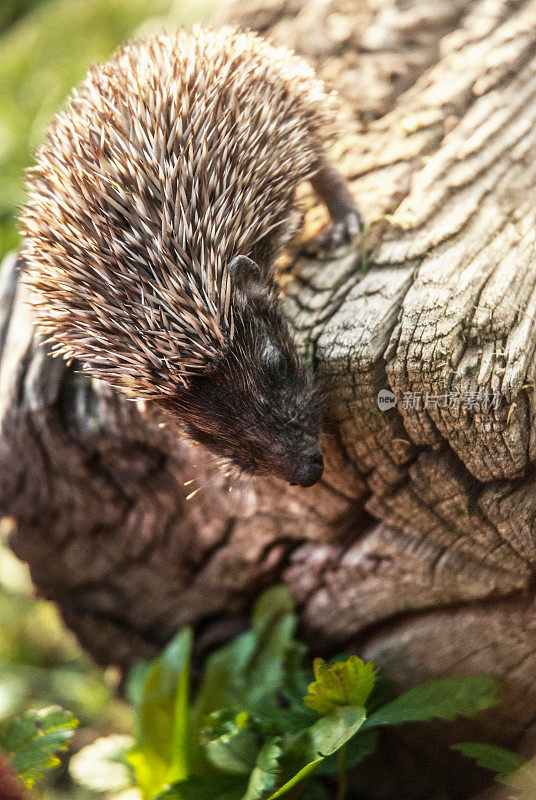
(258, 406)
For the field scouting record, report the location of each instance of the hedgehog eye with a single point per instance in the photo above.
(275, 361)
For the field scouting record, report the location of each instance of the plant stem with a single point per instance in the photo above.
(341, 773)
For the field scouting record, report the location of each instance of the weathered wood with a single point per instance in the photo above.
(418, 548)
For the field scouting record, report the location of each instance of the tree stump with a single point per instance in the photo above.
(418, 548)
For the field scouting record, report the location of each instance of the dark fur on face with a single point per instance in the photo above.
(258, 405)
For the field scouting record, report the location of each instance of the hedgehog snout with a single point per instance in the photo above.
(309, 471)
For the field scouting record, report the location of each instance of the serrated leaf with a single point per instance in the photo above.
(344, 683)
(443, 699)
(497, 759)
(264, 776)
(213, 787)
(32, 743)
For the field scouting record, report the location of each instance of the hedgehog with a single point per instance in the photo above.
(155, 211)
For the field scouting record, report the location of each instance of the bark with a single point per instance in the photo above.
(418, 548)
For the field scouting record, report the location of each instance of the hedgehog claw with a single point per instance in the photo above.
(338, 233)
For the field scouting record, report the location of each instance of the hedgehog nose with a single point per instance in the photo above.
(310, 471)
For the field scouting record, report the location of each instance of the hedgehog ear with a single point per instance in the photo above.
(247, 277)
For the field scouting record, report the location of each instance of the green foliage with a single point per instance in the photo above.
(500, 761)
(265, 773)
(443, 699)
(259, 728)
(160, 755)
(11, 10)
(244, 675)
(215, 787)
(347, 683)
(230, 742)
(41, 665)
(322, 739)
(33, 741)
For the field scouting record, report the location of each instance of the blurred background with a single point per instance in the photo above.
(41, 665)
(45, 49)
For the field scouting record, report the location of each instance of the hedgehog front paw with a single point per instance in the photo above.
(339, 232)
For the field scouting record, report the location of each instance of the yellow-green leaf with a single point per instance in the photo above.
(344, 683)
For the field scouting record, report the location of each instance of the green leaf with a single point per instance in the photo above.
(231, 745)
(497, 759)
(303, 773)
(274, 602)
(136, 681)
(266, 771)
(275, 719)
(33, 741)
(223, 685)
(213, 787)
(247, 673)
(323, 739)
(274, 626)
(161, 754)
(329, 733)
(384, 691)
(344, 683)
(284, 711)
(296, 678)
(357, 750)
(443, 699)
